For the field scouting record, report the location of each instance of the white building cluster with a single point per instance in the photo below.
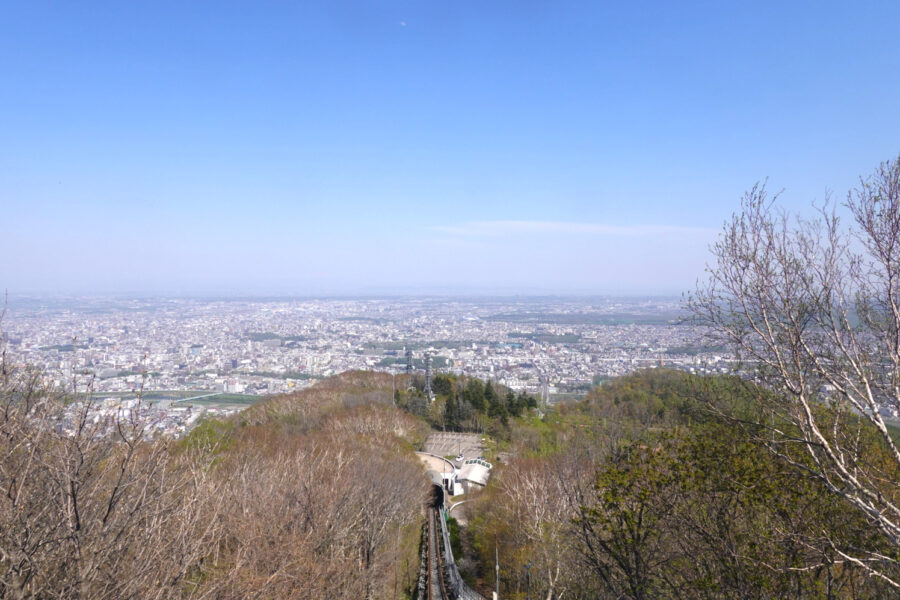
(164, 418)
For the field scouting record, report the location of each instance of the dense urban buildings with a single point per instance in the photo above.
(253, 347)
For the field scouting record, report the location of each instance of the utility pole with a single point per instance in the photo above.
(393, 387)
(395, 565)
(528, 581)
(496, 571)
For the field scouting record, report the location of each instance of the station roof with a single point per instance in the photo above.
(476, 471)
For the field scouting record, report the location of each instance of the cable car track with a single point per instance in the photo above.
(437, 589)
(439, 577)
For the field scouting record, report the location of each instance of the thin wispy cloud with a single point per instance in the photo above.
(502, 228)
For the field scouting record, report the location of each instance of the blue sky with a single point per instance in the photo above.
(420, 147)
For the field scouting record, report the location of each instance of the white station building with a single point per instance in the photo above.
(473, 475)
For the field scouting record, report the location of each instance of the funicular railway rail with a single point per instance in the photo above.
(437, 590)
(443, 581)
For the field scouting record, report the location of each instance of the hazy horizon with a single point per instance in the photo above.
(417, 148)
(13, 299)
(461, 290)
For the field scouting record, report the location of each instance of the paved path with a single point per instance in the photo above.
(436, 463)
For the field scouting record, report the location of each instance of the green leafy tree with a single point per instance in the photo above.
(451, 413)
(624, 532)
(442, 385)
(513, 407)
(473, 394)
(496, 407)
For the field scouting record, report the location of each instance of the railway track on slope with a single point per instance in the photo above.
(436, 587)
(439, 577)
(442, 579)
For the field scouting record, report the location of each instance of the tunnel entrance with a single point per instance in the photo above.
(437, 496)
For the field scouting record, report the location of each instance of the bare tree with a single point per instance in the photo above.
(91, 508)
(540, 514)
(815, 309)
(316, 516)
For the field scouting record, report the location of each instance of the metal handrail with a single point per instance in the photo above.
(459, 588)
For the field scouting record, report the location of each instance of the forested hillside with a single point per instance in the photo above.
(312, 495)
(465, 404)
(656, 486)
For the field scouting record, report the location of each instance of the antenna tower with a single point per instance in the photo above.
(428, 393)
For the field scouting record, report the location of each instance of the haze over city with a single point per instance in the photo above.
(420, 147)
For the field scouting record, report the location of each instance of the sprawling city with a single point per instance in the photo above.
(222, 354)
